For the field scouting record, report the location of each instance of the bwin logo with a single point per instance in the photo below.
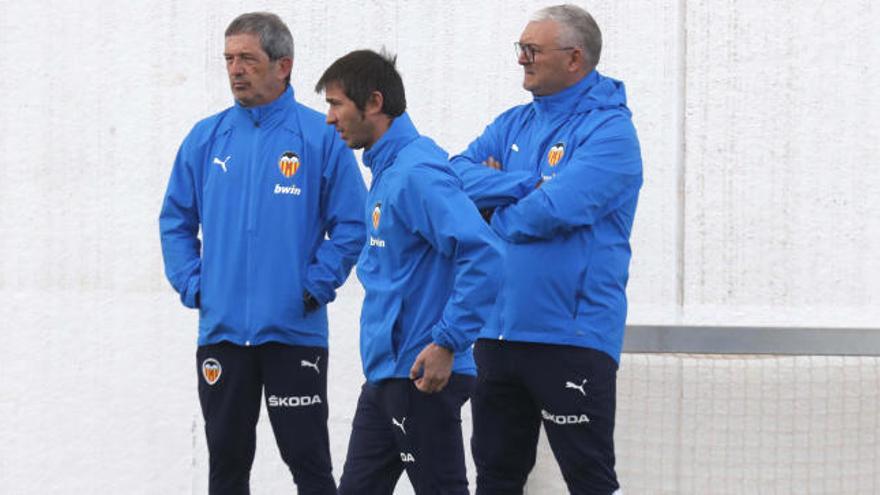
(291, 189)
(407, 457)
(570, 419)
(294, 401)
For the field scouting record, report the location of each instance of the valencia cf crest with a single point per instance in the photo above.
(288, 163)
(211, 370)
(377, 214)
(556, 153)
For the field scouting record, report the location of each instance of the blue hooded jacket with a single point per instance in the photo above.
(567, 253)
(431, 265)
(266, 184)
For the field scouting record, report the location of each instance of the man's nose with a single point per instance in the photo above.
(235, 66)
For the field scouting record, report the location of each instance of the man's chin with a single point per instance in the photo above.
(242, 96)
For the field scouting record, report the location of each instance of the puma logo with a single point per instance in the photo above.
(305, 364)
(579, 388)
(222, 163)
(400, 424)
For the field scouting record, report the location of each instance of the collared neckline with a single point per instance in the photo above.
(400, 133)
(271, 113)
(565, 101)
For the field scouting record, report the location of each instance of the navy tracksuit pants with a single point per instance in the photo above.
(570, 390)
(397, 427)
(232, 379)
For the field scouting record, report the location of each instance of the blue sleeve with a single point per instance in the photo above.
(604, 172)
(343, 195)
(179, 228)
(489, 188)
(440, 212)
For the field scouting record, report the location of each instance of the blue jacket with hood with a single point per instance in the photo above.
(431, 265)
(266, 184)
(567, 242)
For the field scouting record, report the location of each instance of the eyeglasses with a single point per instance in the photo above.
(529, 50)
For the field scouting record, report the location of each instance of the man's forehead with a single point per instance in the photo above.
(540, 32)
(334, 91)
(243, 42)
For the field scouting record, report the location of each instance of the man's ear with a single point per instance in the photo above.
(374, 103)
(285, 67)
(577, 60)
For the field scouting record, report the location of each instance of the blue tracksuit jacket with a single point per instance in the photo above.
(430, 266)
(266, 184)
(567, 242)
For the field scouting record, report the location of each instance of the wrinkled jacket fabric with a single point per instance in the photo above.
(266, 185)
(430, 267)
(567, 242)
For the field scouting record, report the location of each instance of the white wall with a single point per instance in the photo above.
(759, 130)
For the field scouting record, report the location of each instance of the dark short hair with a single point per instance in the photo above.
(361, 72)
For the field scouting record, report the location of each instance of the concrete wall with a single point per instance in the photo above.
(758, 127)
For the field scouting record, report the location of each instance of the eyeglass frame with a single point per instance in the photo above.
(530, 49)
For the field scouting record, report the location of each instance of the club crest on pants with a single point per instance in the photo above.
(211, 370)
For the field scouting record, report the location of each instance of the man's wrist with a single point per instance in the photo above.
(445, 347)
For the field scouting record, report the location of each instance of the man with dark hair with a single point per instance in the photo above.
(549, 352)
(429, 271)
(278, 198)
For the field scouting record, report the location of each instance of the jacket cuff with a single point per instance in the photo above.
(498, 225)
(188, 296)
(322, 295)
(447, 340)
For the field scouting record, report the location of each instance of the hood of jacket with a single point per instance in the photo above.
(593, 92)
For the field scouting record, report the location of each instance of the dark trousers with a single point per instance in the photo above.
(571, 390)
(397, 427)
(232, 379)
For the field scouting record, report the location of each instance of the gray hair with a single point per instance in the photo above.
(275, 38)
(577, 28)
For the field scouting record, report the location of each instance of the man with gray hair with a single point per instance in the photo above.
(279, 199)
(558, 179)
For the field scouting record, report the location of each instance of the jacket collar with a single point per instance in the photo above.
(383, 152)
(271, 113)
(566, 101)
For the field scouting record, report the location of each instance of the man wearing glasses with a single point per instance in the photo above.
(562, 175)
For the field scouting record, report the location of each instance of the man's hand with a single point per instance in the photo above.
(492, 163)
(432, 368)
(309, 303)
(487, 214)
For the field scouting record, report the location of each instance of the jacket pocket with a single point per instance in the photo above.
(381, 311)
(543, 283)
